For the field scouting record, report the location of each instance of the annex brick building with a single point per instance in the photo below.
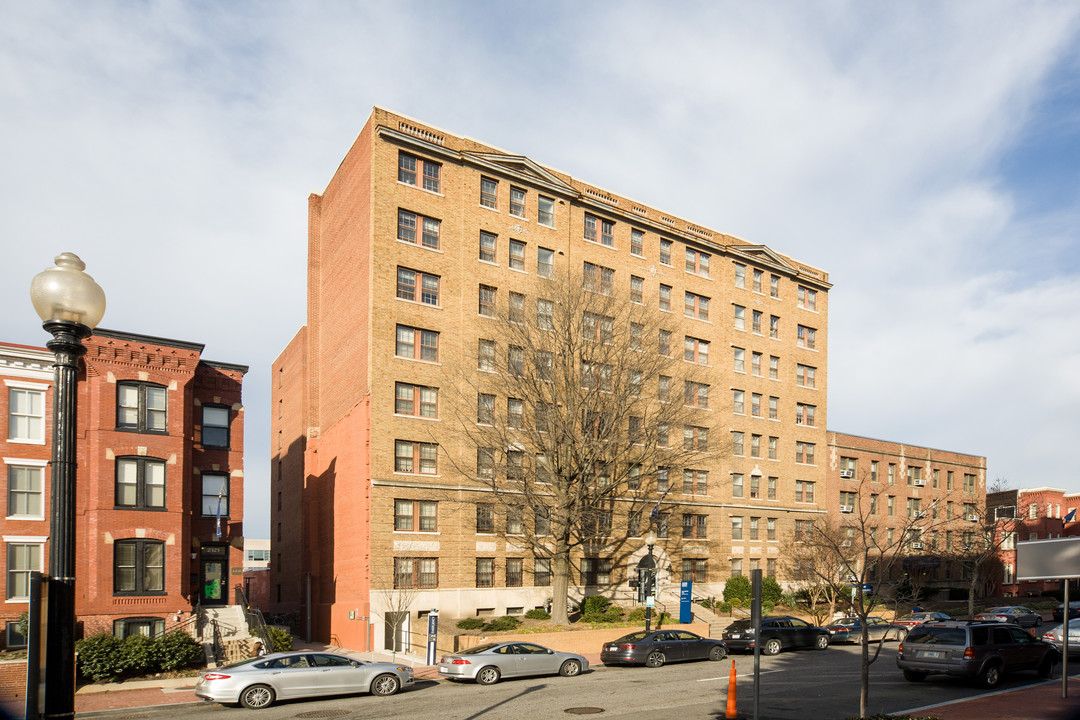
(418, 238)
(938, 496)
(1039, 513)
(159, 507)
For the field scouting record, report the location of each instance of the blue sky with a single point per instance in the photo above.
(926, 154)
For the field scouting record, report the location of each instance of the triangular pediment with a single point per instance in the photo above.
(520, 166)
(766, 254)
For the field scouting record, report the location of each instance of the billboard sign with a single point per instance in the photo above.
(1054, 559)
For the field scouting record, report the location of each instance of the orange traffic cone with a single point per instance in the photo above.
(730, 713)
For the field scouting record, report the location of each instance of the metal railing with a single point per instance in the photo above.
(255, 621)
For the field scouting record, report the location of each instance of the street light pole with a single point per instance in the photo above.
(70, 305)
(650, 592)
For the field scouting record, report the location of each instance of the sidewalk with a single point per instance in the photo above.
(1033, 702)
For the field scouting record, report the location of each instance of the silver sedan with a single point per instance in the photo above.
(258, 682)
(488, 662)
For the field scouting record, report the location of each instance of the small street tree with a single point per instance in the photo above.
(979, 548)
(574, 418)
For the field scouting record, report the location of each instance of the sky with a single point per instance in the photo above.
(925, 154)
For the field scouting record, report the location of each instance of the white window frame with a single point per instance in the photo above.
(41, 388)
(11, 540)
(25, 463)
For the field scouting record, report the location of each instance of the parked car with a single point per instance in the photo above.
(489, 662)
(1056, 636)
(1012, 613)
(849, 629)
(655, 648)
(778, 633)
(258, 682)
(978, 650)
(1059, 611)
(909, 621)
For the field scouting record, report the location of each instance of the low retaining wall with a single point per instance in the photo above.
(582, 642)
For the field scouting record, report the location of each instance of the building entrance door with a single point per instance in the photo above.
(214, 575)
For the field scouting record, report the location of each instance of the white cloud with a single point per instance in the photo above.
(173, 146)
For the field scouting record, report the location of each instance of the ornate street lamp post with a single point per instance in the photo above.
(650, 580)
(70, 304)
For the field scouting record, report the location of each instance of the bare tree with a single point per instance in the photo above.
(570, 421)
(978, 552)
(396, 604)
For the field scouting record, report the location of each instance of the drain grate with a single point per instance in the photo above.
(583, 710)
(132, 717)
(324, 713)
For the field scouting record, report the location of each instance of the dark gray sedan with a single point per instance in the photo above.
(258, 682)
(489, 662)
(653, 649)
(1011, 613)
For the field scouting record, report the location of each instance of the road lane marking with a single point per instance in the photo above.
(744, 675)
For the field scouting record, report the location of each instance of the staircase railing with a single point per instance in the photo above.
(256, 623)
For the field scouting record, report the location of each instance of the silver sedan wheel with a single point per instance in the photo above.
(385, 685)
(570, 668)
(257, 697)
(488, 675)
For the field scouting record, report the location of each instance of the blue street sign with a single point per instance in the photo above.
(686, 614)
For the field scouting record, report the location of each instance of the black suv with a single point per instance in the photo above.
(777, 633)
(982, 650)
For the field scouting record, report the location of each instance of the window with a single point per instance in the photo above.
(598, 328)
(807, 298)
(665, 252)
(662, 477)
(517, 307)
(140, 483)
(147, 627)
(22, 559)
(606, 228)
(774, 327)
(138, 567)
(740, 275)
(736, 527)
(215, 426)
(774, 286)
(663, 342)
(26, 415)
(774, 368)
(804, 376)
(755, 486)
(541, 571)
(773, 441)
(804, 414)
(804, 491)
(215, 495)
(545, 211)
(599, 278)
(755, 404)
(755, 446)
(738, 402)
(416, 400)
(415, 457)
(805, 337)
(695, 438)
(407, 171)
(696, 306)
(485, 518)
(26, 490)
(517, 255)
(417, 286)
(694, 526)
(969, 483)
(515, 572)
(595, 571)
(140, 407)
(485, 353)
(489, 192)
(755, 363)
(416, 515)
(545, 262)
(514, 523)
(485, 462)
(417, 344)
(755, 325)
(696, 350)
(696, 394)
(697, 262)
(892, 474)
(665, 298)
(740, 359)
(755, 524)
(485, 409)
(487, 300)
(740, 317)
(737, 443)
(517, 202)
(637, 289)
(515, 412)
(757, 281)
(545, 314)
(429, 229)
(416, 573)
(873, 471)
(770, 528)
(663, 388)
(802, 530)
(637, 242)
(774, 403)
(488, 244)
(804, 452)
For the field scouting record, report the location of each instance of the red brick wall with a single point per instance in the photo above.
(13, 686)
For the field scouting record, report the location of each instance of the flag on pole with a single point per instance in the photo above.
(1071, 515)
(220, 496)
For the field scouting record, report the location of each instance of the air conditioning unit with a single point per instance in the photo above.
(973, 518)
(920, 514)
(845, 543)
(847, 508)
(847, 473)
(917, 546)
(919, 482)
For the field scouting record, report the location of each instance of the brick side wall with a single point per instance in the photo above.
(13, 686)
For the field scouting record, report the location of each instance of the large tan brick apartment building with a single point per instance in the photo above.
(160, 439)
(418, 239)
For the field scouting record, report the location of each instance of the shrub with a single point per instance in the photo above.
(473, 623)
(502, 624)
(771, 592)
(724, 607)
(138, 653)
(177, 650)
(100, 657)
(737, 590)
(593, 608)
(538, 614)
(612, 614)
(636, 615)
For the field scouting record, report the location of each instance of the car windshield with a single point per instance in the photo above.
(847, 622)
(633, 637)
(739, 625)
(479, 648)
